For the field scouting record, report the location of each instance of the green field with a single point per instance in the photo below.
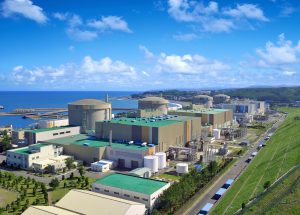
(283, 198)
(7, 197)
(281, 154)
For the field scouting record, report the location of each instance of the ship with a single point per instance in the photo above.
(1, 107)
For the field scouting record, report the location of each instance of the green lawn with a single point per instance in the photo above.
(283, 198)
(169, 176)
(7, 197)
(281, 153)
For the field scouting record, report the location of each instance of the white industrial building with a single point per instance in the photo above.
(102, 166)
(133, 188)
(36, 135)
(52, 164)
(53, 123)
(26, 156)
(78, 202)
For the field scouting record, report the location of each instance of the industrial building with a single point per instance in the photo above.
(217, 118)
(25, 157)
(204, 100)
(77, 202)
(221, 98)
(162, 131)
(244, 110)
(86, 112)
(138, 189)
(152, 106)
(53, 123)
(89, 149)
(36, 135)
(52, 164)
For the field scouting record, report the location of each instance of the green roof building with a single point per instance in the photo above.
(134, 188)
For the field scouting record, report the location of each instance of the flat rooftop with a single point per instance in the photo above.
(157, 121)
(88, 141)
(132, 183)
(202, 111)
(49, 129)
(25, 150)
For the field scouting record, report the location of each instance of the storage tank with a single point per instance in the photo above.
(217, 133)
(182, 168)
(153, 103)
(151, 162)
(204, 100)
(162, 159)
(86, 112)
(221, 98)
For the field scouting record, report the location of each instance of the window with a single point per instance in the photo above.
(54, 134)
(153, 198)
(68, 132)
(146, 200)
(116, 193)
(136, 197)
(106, 191)
(96, 188)
(126, 195)
(37, 157)
(61, 132)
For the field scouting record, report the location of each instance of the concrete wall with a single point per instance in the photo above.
(148, 200)
(34, 137)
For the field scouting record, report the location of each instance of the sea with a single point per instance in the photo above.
(54, 99)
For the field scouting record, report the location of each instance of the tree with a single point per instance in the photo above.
(69, 163)
(267, 184)
(71, 175)
(243, 205)
(212, 167)
(54, 183)
(65, 184)
(86, 181)
(81, 170)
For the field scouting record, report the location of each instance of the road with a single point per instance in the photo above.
(233, 173)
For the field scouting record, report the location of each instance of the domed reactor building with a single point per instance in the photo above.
(221, 99)
(204, 100)
(152, 106)
(86, 112)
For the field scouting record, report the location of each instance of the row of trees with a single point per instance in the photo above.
(179, 193)
(31, 192)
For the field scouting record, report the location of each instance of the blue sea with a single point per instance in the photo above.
(54, 99)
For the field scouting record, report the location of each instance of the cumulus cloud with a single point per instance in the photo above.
(24, 8)
(211, 18)
(249, 11)
(145, 50)
(110, 23)
(89, 71)
(283, 52)
(81, 35)
(189, 64)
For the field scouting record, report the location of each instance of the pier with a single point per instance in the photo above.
(39, 113)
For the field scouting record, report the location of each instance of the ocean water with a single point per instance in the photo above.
(54, 99)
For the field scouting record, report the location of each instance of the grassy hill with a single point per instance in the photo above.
(280, 155)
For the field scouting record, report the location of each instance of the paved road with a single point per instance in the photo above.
(233, 173)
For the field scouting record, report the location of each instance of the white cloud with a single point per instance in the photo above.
(24, 8)
(81, 35)
(189, 64)
(212, 19)
(147, 53)
(281, 53)
(289, 73)
(249, 11)
(185, 37)
(110, 23)
(89, 71)
(60, 16)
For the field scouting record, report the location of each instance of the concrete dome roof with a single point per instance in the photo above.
(91, 102)
(154, 99)
(203, 97)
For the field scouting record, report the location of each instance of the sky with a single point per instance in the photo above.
(138, 45)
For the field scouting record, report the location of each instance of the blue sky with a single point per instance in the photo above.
(143, 45)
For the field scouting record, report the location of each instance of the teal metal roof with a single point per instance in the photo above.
(25, 150)
(48, 129)
(132, 183)
(87, 141)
